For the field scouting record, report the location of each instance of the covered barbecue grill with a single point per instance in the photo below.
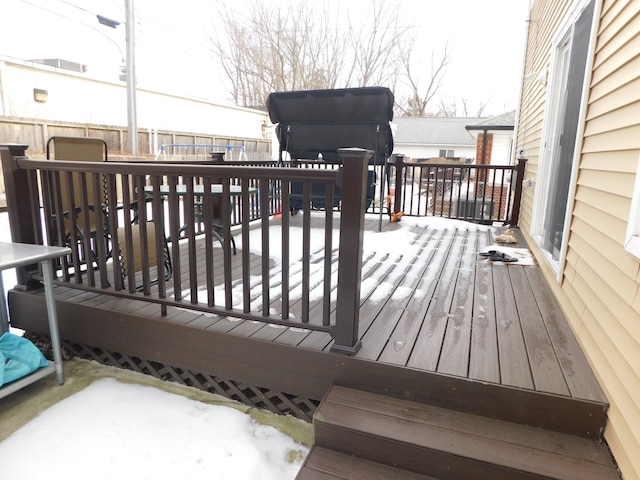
(314, 124)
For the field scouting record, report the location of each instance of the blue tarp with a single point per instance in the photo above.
(18, 357)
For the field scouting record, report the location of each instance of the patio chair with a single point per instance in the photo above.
(87, 150)
(138, 253)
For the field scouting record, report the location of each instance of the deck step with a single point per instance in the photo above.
(449, 444)
(324, 464)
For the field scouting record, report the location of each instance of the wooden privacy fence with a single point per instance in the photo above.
(162, 232)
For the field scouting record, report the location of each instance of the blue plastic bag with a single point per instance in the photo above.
(18, 357)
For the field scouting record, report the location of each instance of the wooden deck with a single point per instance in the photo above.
(468, 369)
(439, 324)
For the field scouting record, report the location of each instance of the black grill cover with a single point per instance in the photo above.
(316, 122)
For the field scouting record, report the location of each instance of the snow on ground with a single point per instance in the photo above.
(117, 430)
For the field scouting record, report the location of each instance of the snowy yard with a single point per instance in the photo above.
(112, 430)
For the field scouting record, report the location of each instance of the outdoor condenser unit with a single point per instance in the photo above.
(473, 208)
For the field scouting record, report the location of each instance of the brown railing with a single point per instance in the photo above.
(476, 193)
(145, 232)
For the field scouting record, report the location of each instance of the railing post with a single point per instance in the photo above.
(517, 194)
(399, 185)
(354, 179)
(21, 223)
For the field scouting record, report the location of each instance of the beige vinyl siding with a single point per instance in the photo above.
(600, 285)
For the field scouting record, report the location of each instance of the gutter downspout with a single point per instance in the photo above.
(484, 145)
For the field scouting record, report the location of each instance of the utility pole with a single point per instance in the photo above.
(131, 78)
(129, 71)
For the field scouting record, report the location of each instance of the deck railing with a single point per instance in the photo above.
(146, 234)
(476, 193)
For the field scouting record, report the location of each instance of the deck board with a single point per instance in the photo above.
(580, 378)
(514, 363)
(454, 356)
(545, 368)
(428, 344)
(399, 346)
(484, 361)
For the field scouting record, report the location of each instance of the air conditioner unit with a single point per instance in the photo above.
(473, 208)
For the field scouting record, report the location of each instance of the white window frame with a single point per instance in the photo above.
(632, 237)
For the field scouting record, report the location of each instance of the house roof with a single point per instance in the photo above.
(505, 121)
(433, 131)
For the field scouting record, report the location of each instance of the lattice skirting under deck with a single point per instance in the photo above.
(263, 398)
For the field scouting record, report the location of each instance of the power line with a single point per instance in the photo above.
(48, 10)
(74, 20)
(76, 6)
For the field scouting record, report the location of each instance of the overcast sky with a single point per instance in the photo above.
(486, 40)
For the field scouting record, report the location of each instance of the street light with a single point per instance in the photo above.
(130, 71)
(107, 21)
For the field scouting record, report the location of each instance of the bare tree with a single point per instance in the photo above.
(479, 111)
(462, 107)
(273, 48)
(376, 40)
(422, 93)
(298, 45)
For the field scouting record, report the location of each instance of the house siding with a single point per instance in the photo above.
(599, 287)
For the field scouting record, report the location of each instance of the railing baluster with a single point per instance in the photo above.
(246, 271)
(306, 250)
(167, 207)
(328, 250)
(226, 243)
(286, 245)
(264, 208)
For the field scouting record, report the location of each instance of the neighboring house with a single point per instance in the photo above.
(494, 139)
(432, 137)
(579, 127)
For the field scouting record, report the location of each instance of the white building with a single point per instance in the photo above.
(433, 137)
(31, 90)
(456, 137)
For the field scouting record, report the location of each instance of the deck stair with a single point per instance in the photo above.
(362, 435)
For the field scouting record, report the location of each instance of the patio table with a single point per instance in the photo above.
(14, 255)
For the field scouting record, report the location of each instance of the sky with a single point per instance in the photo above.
(172, 41)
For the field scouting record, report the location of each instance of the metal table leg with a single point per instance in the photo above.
(47, 273)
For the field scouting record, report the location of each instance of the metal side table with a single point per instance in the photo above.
(14, 255)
